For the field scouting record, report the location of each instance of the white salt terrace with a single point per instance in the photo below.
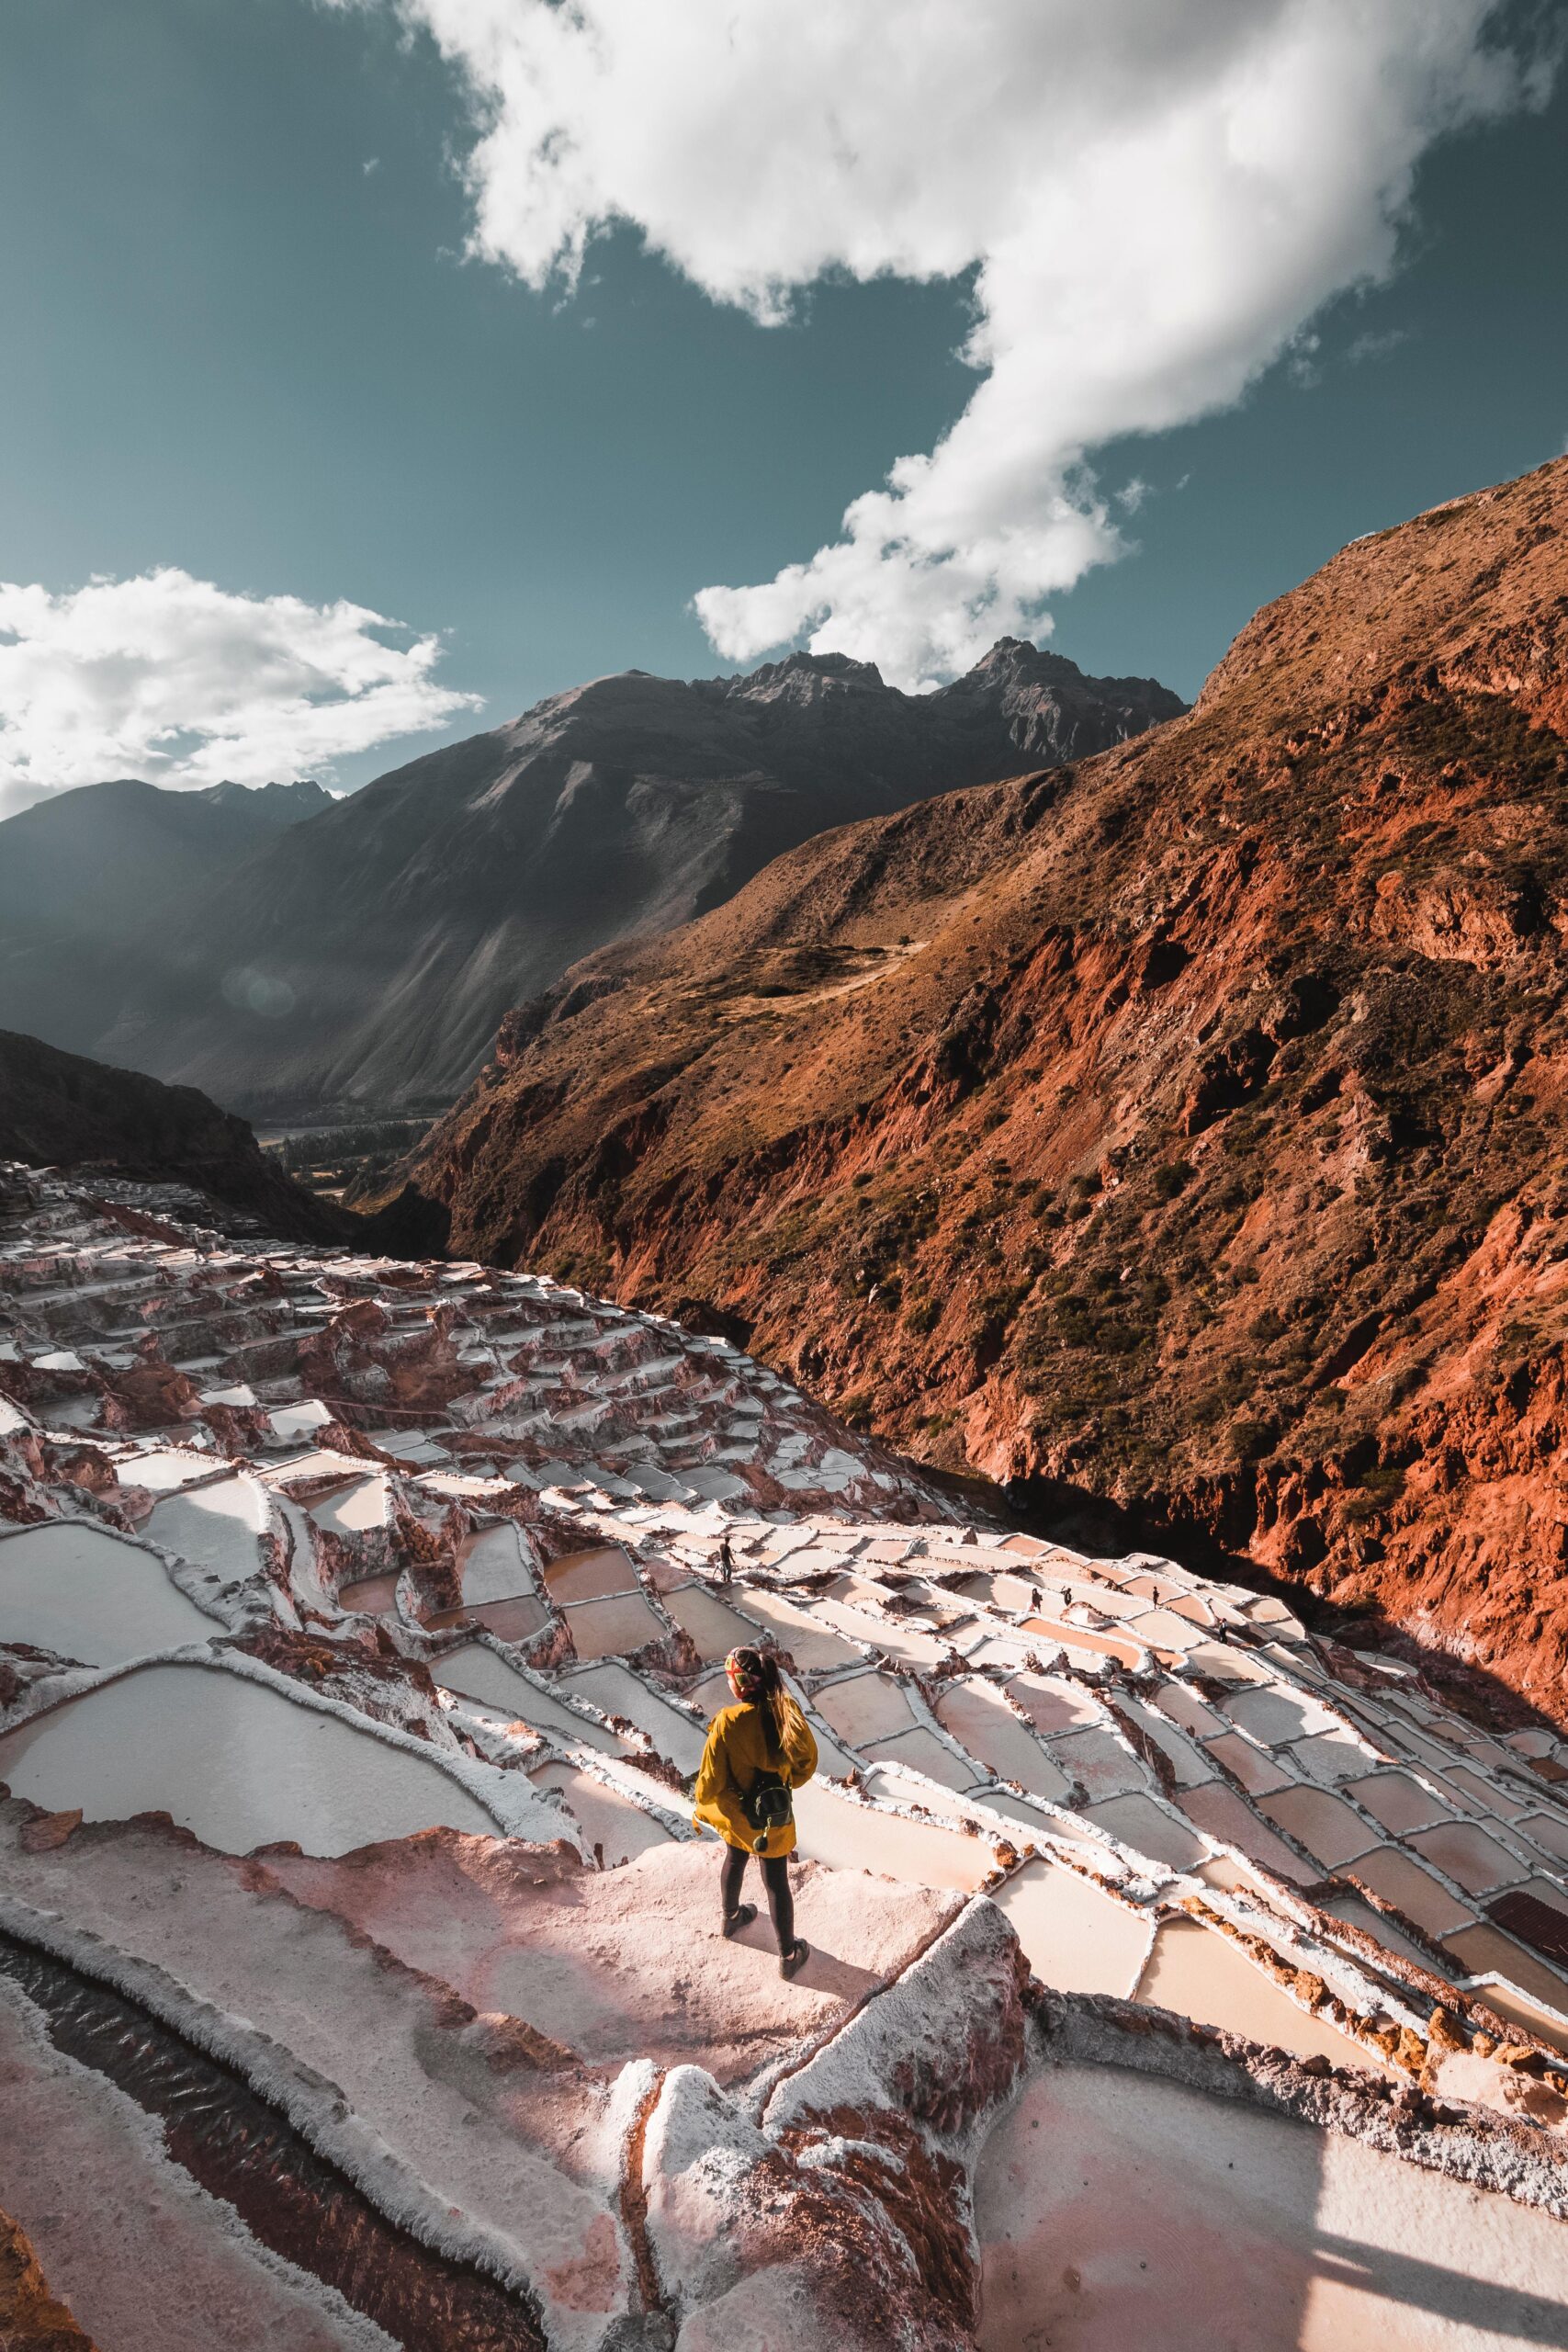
(1168, 1793)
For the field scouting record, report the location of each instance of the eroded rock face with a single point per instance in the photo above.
(1178, 1133)
(360, 1625)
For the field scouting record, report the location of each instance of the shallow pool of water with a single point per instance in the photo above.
(89, 1595)
(1074, 1935)
(163, 1468)
(495, 1566)
(1115, 2210)
(374, 1595)
(832, 1829)
(476, 1672)
(590, 1575)
(716, 1628)
(615, 1690)
(1205, 1975)
(609, 1821)
(363, 1509)
(865, 1707)
(976, 1714)
(222, 1526)
(612, 1628)
(815, 1649)
(234, 1760)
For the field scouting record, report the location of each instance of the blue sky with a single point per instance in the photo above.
(242, 340)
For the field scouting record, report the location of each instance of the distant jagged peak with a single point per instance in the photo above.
(303, 796)
(1014, 663)
(804, 677)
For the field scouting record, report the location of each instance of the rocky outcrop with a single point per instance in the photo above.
(371, 954)
(1177, 1132)
(31, 2319)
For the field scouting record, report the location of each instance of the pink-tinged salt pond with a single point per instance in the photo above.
(494, 1565)
(1202, 1974)
(714, 1626)
(1076, 1937)
(612, 1628)
(865, 1707)
(832, 1829)
(589, 1575)
(1118, 2212)
(615, 1690)
(234, 1760)
(476, 1671)
(613, 1824)
(222, 1526)
(976, 1714)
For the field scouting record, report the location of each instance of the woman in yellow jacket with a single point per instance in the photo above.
(757, 1751)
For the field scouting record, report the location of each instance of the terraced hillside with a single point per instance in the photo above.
(361, 1972)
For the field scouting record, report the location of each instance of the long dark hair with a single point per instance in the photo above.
(759, 1684)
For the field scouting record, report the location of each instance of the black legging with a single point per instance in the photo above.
(775, 1877)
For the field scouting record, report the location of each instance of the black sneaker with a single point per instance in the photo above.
(791, 1963)
(736, 1920)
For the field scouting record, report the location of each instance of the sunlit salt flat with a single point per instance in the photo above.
(220, 1526)
(1115, 2209)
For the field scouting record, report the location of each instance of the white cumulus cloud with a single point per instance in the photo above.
(1153, 196)
(171, 678)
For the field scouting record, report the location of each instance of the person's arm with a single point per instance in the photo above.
(715, 1799)
(796, 1740)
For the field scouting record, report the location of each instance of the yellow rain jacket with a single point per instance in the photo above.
(741, 1743)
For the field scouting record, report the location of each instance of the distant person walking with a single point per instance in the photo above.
(758, 1750)
(727, 1562)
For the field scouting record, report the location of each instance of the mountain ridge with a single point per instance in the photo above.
(369, 954)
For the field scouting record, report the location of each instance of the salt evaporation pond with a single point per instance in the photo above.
(976, 1714)
(1074, 1936)
(220, 1526)
(1115, 2208)
(716, 1628)
(615, 1823)
(1206, 1977)
(615, 1691)
(88, 1595)
(852, 1837)
(494, 1568)
(477, 1672)
(589, 1575)
(234, 1760)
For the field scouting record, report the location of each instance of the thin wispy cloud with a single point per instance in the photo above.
(174, 679)
(1148, 202)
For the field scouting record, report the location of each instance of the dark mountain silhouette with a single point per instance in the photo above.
(370, 954)
(61, 1111)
